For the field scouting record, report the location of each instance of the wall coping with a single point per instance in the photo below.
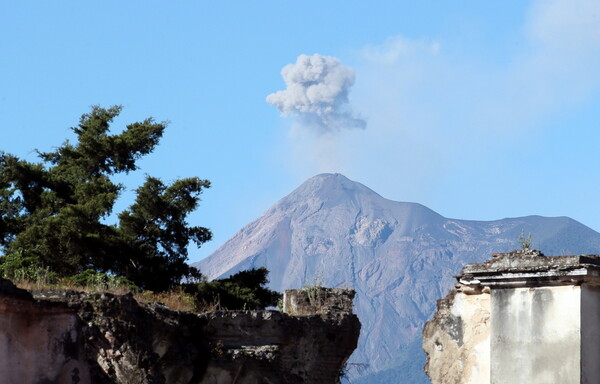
(528, 268)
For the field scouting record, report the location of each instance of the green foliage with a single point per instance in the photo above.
(100, 281)
(525, 241)
(313, 290)
(53, 212)
(20, 268)
(157, 233)
(244, 290)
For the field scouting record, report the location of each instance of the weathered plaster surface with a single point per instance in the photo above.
(536, 335)
(457, 339)
(39, 344)
(590, 334)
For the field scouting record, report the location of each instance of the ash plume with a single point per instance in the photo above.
(317, 94)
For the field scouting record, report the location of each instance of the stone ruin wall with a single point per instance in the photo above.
(317, 300)
(38, 344)
(309, 342)
(76, 338)
(457, 339)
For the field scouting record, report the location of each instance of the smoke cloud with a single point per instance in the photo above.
(317, 94)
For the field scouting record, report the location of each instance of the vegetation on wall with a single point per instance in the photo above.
(525, 240)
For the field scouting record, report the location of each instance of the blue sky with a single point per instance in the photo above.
(478, 110)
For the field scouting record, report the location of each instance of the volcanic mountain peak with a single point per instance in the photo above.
(327, 188)
(335, 192)
(399, 257)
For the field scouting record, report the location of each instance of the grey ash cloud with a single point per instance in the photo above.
(316, 94)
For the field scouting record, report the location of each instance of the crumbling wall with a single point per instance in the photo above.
(308, 343)
(457, 339)
(317, 300)
(39, 344)
(121, 341)
(273, 347)
(71, 337)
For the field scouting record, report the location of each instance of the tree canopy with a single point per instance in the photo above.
(243, 290)
(53, 212)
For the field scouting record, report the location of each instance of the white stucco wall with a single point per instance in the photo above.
(536, 335)
(590, 335)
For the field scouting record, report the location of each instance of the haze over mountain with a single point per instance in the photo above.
(399, 257)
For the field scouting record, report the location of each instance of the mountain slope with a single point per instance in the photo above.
(400, 257)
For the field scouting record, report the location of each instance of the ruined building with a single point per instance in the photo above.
(520, 317)
(68, 337)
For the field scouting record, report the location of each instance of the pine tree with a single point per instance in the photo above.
(54, 211)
